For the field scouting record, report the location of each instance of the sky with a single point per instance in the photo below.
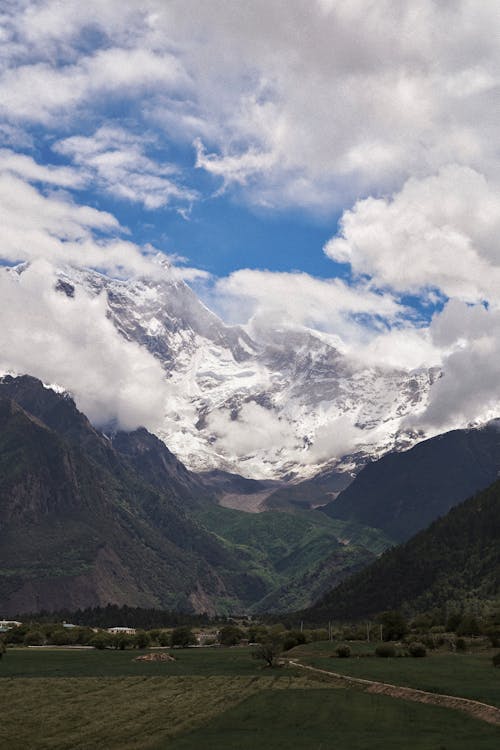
(333, 162)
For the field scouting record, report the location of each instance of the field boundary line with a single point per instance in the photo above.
(482, 711)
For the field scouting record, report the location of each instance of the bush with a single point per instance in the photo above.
(34, 638)
(417, 649)
(385, 650)
(293, 638)
(343, 652)
(496, 660)
(461, 644)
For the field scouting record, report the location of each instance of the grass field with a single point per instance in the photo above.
(336, 720)
(209, 698)
(53, 662)
(469, 675)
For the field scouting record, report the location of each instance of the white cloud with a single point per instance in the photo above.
(439, 232)
(270, 299)
(468, 392)
(52, 226)
(255, 429)
(40, 91)
(72, 343)
(114, 160)
(296, 103)
(391, 106)
(27, 168)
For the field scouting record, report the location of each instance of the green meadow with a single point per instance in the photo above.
(469, 675)
(65, 699)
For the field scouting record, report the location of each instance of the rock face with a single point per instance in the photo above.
(270, 403)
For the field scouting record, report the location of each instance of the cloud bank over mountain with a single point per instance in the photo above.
(378, 119)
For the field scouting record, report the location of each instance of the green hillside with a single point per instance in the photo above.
(300, 555)
(456, 559)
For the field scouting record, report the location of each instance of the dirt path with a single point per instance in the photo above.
(482, 711)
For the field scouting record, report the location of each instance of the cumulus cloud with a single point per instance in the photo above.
(294, 103)
(299, 299)
(468, 391)
(50, 225)
(40, 91)
(70, 342)
(440, 232)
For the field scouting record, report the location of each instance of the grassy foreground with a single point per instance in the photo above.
(208, 698)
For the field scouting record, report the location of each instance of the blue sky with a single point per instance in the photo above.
(332, 164)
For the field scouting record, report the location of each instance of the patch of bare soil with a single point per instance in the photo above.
(155, 656)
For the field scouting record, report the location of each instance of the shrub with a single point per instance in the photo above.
(343, 652)
(385, 650)
(461, 644)
(293, 638)
(417, 649)
(34, 638)
(100, 641)
(496, 660)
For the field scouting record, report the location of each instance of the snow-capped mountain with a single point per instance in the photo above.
(280, 403)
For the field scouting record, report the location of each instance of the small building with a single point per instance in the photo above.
(8, 624)
(122, 631)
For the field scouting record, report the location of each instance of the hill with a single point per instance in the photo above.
(402, 493)
(455, 559)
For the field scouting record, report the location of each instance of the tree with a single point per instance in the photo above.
(230, 635)
(182, 637)
(142, 639)
(394, 625)
(122, 641)
(100, 641)
(164, 638)
(269, 651)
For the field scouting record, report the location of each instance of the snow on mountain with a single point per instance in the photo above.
(280, 403)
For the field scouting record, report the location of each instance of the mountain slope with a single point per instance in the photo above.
(402, 493)
(456, 558)
(81, 527)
